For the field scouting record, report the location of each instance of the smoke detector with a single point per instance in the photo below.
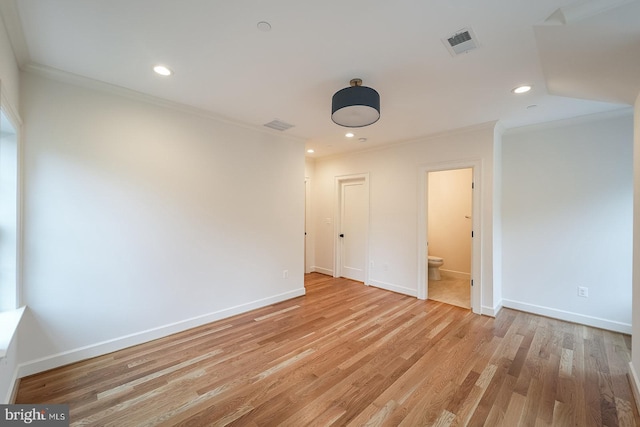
(462, 41)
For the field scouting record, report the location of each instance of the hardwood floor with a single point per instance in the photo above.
(348, 354)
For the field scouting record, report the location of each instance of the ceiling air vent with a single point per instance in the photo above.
(461, 41)
(278, 125)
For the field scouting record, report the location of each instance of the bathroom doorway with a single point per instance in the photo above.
(449, 236)
(476, 220)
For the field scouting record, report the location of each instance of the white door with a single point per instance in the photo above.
(353, 230)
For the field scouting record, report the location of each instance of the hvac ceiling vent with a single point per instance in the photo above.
(278, 125)
(461, 41)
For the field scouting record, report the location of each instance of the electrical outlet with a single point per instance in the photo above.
(285, 274)
(583, 292)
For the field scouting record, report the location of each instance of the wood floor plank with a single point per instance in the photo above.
(349, 354)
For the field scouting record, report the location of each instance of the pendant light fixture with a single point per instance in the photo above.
(355, 106)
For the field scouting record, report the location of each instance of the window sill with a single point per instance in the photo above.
(9, 321)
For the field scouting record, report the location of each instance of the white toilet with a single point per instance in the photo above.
(434, 264)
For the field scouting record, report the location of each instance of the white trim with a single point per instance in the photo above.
(491, 311)
(327, 271)
(571, 121)
(12, 393)
(80, 81)
(98, 349)
(419, 140)
(16, 123)
(455, 274)
(9, 320)
(635, 385)
(9, 111)
(596, 322)
(337, 258)
(394, 288)
(308, 237)
(476, 253)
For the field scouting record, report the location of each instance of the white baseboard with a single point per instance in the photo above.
(491, 311)
(568, 316)
(98, 349)
(635, 385)
(326, 271)
(12, 390)
(13, 393)
(394, 288)
(455, 274)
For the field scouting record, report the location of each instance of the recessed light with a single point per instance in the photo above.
(162, 70)
(531, 107)
(362, 139)
(310, 151)
(349, 135)
(522, 89)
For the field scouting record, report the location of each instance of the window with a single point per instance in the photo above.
(9, 156)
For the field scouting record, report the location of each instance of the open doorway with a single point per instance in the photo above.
(476, 220)
(449, 231)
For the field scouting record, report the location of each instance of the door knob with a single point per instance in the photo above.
(341, 235)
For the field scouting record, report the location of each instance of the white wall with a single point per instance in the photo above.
(140, 220)
(635, 353)
(394, 205)
(449, 218)
(567, 220)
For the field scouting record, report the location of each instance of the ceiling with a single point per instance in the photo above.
(581, 58)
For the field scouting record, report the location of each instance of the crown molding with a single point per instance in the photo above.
(578, 120)
(426, 138)
(108, 88)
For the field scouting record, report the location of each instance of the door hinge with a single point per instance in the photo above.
(473, 185)
(471, 233)
(471, 282)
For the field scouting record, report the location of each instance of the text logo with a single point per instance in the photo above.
(34, 415)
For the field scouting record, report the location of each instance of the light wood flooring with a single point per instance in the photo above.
(348, 354)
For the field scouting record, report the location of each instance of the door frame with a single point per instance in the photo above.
(476, 208)
(307, 223)
(337, 244)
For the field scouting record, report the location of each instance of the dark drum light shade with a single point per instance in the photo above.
(355, 106)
